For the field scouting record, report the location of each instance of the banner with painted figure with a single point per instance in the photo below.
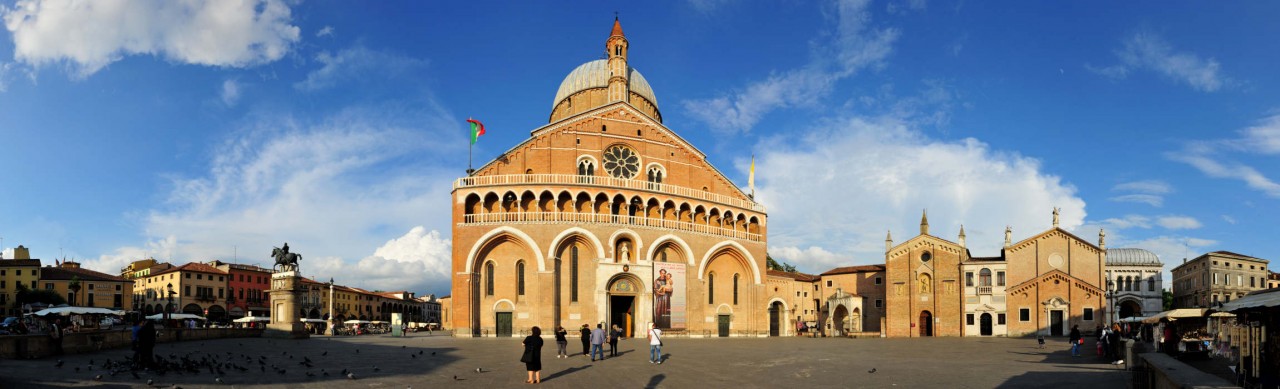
(668, 295)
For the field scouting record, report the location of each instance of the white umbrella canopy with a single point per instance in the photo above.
(249, 319)
(175, 316)
(356, 322)
(64, 311)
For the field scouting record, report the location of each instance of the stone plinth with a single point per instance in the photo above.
(285, 322)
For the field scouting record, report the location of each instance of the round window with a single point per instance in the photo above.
(621, 162)
(926, 257)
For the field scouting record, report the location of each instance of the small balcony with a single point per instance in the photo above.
(984, 290)
(208, 298)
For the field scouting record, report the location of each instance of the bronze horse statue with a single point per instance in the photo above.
(285, 260)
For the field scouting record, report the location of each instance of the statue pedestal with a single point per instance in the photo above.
(285, 322)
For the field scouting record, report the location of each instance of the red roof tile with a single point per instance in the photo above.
(854, 269)
(193, 267)
(67, 273)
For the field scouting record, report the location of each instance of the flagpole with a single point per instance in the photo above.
(471, 141)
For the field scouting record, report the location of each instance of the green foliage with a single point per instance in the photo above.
(28, 296)
(1168, 299)
(775, 265)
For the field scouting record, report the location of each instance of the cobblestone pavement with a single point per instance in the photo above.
(440, 361)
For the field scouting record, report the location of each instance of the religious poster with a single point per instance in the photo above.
(668, 295)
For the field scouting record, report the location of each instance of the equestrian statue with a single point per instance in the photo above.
(285, 260)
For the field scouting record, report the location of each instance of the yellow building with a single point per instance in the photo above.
(196, 288)
(21, 270)
(96, 289)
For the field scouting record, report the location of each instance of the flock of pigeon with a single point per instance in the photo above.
(222, 367)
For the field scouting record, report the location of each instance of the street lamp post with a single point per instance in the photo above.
(332, 322)
(168, 309)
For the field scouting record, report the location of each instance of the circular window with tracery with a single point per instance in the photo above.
(621, 162)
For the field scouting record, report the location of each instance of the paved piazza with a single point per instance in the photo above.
(774, 362)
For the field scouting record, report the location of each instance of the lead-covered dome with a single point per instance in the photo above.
(595, 74)
(1128, 257)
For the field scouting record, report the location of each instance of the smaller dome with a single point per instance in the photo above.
(1132, 257)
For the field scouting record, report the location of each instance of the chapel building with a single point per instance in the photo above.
(607, 216)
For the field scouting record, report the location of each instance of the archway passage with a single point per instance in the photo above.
(926, 323)
(838, 320)
(193, 309)
(1130, 308)
(985, 324)
(775, 318)
(217, 313)
(622, 305)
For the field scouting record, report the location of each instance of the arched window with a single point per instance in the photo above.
(735, 289)
(1119, 283)
(520, 278)
(664, 255)
(586, 168)
(711, 288)
(1128, 283)
(1151, 284)
(984, 277)
(488, 278)
(573, 273)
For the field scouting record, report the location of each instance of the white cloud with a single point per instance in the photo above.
(1126, 222)
(336, 188)
(230, 92)
(1178, 222)
(854, 46)
(1213, 158)
(1148, 51)
(1152, 200)
(1171, 250)
(1229, 219)
(707, 6)
(326, 31)
(89, 35)
(842, 187)
(1144, 186)
(355, 63)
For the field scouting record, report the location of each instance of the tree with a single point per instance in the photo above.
(28, 296)
(74, 285)
(1167, 298)
(772, 264)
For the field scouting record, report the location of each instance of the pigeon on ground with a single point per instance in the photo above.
(59, 364)
(455, 378)
(219, 380)
(414, 356)
(873, 370)
(351, 376)
(375, 368)
(479, 370)
(150, 381)
(77, 369)
(433, 353)
(324, 353)
(98, 377)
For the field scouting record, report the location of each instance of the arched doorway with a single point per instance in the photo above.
(622, 303)
(193, 309)
(315, 314)
(1130, 308)
(926, 323)
(775, 318)
(216, 313)
(838, 319)
(985, 324)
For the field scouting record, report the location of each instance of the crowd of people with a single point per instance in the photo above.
(593, 341)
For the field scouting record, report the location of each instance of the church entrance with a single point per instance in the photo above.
(926, 323)
(724, 326)
(503, 329)
(1055, 323)
(622, 312)
(985, 325)
(622, 305)
(775, 318)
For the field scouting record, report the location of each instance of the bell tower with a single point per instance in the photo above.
(616, 50)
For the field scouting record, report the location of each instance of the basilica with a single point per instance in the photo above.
(606, 215)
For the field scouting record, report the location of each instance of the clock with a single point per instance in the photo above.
(621, 162)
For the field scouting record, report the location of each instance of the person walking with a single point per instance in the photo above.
(597, 342)
(147, 343)
(532, 356)
(137, 351)
(55, 336)
(586, 339)
(1076, 340)
(1113, 340)
(562, 342)
(655, 344)
(614, 334)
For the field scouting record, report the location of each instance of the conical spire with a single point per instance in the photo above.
(962, 235)
(617, 27)
(924, 223)
(888, 240)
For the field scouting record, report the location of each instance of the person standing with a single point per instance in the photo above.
(146, 343)
(562, 342)
(532, 356)
(1113, 340)
(585, 332)
(655, 344)
(55, 336)
(597, 342)
(137, 351)
(614, 334)
(1076, 340)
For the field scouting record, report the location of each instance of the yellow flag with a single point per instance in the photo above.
(751, 179)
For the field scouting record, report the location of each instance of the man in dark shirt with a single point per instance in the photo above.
(614, 334)
(586, 339)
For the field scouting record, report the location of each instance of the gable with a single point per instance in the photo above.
(1055, 233)
(556, 147)
(1051, 276)
(927, 240)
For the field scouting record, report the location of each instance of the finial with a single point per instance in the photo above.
(1008, 236)
(888, 241)
(962, 235)
(924, 222)
(1055, 217)
(1102, 238)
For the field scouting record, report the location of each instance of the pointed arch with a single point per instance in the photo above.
(675, 240)
(498, 233)
(635, 239)
(737, 250)
(569, 233)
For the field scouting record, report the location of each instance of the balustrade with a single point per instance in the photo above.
(575, 217)
(608, 182)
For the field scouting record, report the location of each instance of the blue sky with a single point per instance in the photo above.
(215, 131)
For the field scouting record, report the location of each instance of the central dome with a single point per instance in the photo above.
(595, 74)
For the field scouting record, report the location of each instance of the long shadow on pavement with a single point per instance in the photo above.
(565, 372)
(654, 381)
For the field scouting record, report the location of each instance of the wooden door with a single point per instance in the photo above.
(504, 324)
(724, 326)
